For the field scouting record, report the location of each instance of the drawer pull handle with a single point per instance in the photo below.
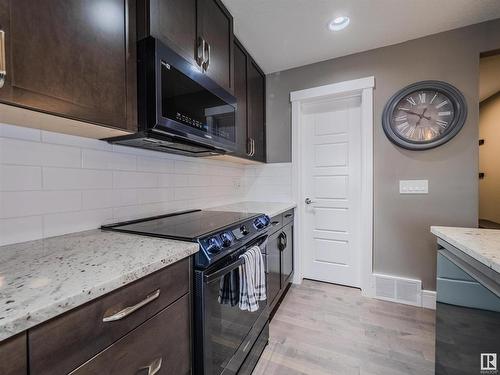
(129, 310)
(154, 367)
(275, 223)
(288, 215)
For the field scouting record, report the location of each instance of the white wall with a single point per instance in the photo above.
(52, 184)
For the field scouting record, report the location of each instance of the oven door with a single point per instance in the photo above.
(224, 334)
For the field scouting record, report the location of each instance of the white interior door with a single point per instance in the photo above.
(331, 179)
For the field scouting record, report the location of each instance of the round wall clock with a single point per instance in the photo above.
(424, 115)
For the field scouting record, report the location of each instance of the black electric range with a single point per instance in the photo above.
(227, 339)
(219, 233)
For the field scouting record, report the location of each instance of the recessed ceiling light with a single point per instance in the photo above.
(339, 23)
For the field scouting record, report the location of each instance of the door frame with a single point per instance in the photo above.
(362, 88)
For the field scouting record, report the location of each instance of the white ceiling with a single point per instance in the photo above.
(489, 76)
(282, 34)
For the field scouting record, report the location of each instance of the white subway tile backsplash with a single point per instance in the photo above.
(19, 178)
(62, 223)
(124, 180)
(20, 229)
(71, 140)
(13, 151)
(18, 132)
(52, 184)
(66, 178)
(94, 159)
(29, 203)
(151, 164)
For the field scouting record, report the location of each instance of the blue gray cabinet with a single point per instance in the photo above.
(467, 312)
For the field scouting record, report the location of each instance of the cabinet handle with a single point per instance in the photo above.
(3, 69)
(129, 310)
(273, 223)
(249, 146)
(202, 50)
(282, 241)
(288, 215)
(207, 62)
(253, 146)
(154, 367)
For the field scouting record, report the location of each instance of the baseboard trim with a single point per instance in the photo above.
(429, 299)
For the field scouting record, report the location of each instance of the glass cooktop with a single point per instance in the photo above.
(187, 226)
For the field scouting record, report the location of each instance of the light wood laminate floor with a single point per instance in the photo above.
(329, 329)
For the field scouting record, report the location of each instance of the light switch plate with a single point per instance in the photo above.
(414, 187)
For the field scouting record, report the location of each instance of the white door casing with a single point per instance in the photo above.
(332, 161)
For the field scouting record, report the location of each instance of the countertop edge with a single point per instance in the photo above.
(60, 307)
(436, 230)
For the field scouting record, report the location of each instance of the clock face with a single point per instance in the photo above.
(424, 115)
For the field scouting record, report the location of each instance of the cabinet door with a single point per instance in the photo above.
(273, 268)
(215, 26)
(256, 110)
(71, 58)
(287, 254)
(173, 22)
(240, 91)
(13, 356)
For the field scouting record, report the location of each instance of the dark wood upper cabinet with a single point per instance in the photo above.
(241, 92)
(215, 26)
(72, 58)
(256, 111)
(171, 21)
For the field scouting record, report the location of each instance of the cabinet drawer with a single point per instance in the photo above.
(288, 217)
(467, 294)
(64, 343)
(162, 343)
(13, 358)
(448, 270)
(276, 223)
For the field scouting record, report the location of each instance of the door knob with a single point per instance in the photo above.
(308, 201)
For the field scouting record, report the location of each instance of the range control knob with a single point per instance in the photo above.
(244, 230)
(226, 239)
(213, 245)
(262, 222)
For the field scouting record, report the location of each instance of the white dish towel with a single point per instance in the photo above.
(252, 280)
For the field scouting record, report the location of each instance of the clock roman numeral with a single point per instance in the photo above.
(446, 113)
(411, 101)
(434, 97)
(442, 104)
(442, 123)
(421, 97)
(401, 118)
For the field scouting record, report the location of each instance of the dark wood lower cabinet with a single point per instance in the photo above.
(13, 357)
(279, 257)
(64, 343)
(162, 342)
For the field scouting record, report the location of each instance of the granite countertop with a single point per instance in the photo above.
(269, 208)
(42, 279)
(481, 244)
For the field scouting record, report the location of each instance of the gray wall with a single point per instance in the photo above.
(403, 245)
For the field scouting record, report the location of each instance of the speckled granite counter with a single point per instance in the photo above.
(481, 244)
(269, 208)
(45, 278)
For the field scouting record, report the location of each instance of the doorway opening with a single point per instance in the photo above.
(489, 140)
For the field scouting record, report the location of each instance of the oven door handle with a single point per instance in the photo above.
(216, 274)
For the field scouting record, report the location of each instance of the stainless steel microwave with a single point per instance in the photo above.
(180, 109)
